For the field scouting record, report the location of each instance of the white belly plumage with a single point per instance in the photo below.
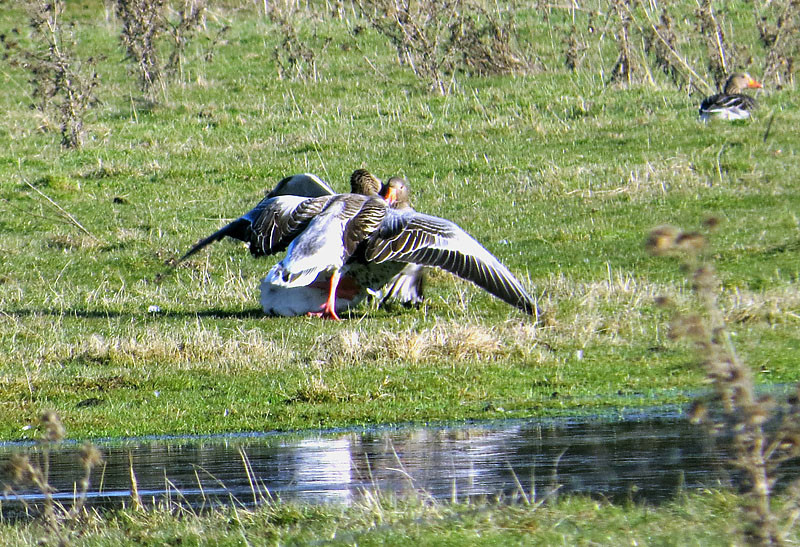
(292, 301)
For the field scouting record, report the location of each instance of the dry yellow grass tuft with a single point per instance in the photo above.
(445, 340)
(773, 306)
(315, 390)
(610, 311)
(68, 242)
(196, 347)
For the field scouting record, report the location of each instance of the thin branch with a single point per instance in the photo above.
(72, 220)
(674, 53)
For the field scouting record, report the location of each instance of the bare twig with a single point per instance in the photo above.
(769, 127)
(72, 220)
(737, 412)
(677, 56)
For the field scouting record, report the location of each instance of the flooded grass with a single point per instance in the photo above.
(634, 457)
(639, 478)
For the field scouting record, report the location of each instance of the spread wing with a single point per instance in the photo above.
(431, 241)
(280, 220)
(270, 226)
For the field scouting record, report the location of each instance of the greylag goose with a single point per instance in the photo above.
(405, 287)
(731, 104)
(363, 233)
(272, 226)
(377, 241)
(322, 235)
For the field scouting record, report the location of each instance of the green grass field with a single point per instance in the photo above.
(558, 173)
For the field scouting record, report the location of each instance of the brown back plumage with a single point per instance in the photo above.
(364, 182)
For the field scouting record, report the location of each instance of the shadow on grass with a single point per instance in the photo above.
(103, 314)
(783, 248)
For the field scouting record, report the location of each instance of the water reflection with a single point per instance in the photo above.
(638, 458)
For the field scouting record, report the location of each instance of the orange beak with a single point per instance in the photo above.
(753, 83)
(391, 195)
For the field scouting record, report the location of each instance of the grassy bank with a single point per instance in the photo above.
(707, 518)
(560, 173)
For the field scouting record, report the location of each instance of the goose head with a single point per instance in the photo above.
(740, 81)
(396, 193)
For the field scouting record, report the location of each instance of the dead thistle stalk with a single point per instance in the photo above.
(778, 25)
(146, 25)
(64, 86)
(438, 39)
(23, 469)
(757, 452)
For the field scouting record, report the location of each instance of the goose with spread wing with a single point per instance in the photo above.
(318, 233)
(288, 194)
(405, 236)
(731, 104)
(371, 241)
(405, 287)
(332, 234)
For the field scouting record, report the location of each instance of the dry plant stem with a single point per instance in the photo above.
(90, 457)
(42, 483)
(720, 63)
(740, 399)
(756, 453)
(58, 522)
(136, 500)
(190, 17)
(623, 68)
(66, 214)
(292, 55)
(142, 25)
(682, 61)
(439, 39)
(779, 38)
(63, 85)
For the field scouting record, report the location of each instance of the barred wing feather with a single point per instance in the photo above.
(280, 220)
(433, 241)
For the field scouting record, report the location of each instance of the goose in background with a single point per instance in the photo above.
(731, 104)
